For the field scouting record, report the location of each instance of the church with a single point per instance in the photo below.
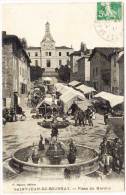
(48, 56)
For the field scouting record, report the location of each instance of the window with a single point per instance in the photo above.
(67, 53)
(48, 63)
(36, 62)
(36, 54)
(4, 102)
(60, 62)
(49, 53)
(46, 53)
(59, 53)
(29, 53)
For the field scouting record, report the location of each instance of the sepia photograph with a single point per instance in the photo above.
(63, 97)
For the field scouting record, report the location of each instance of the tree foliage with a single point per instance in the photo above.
(64, 73)
(35, 72)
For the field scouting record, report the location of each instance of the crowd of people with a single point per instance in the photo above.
(111, 155)
(83, 117)
(12, 114)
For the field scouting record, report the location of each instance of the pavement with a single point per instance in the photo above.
(24, 133)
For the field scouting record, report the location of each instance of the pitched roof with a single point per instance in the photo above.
(105, 51)
(83, 57)
(59, 47)
(31, 47)
(63, 47)
(76, 53)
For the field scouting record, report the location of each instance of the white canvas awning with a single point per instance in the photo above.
(63, 88)
(69, 97)
(85, 89)
(47, 79)
(47, 100)
(111, 98)
(74, 83)
(59, 86)
(83, 105)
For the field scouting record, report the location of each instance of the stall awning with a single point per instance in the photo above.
(48, 101)
(83, 105)
(69, 97)
(111, 98)
(59, 86)
(85, 89)
(74, 83)
(47, 79)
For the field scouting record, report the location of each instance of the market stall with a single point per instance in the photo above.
(113, 100)
(87, 91)
(69, 97)
(74, 83)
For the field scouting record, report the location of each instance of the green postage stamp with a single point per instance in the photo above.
(109, 10)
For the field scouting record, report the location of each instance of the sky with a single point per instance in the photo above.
(70, 24)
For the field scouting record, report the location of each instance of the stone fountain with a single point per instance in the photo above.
(55, 158)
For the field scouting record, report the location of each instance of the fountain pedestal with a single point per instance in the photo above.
(55, 152)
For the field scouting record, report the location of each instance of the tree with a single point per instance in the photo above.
(35, 72)
(64, 73)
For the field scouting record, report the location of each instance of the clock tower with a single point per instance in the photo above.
(48, 42)
(48, 56)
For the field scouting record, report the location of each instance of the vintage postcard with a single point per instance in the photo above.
(63, 97)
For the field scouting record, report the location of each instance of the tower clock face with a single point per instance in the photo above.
(48, 45)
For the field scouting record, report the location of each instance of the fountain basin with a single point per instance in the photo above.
(86, 163)
(58, 124)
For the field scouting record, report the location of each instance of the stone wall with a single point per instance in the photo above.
(100, 73)
(7, 70)
(15, 72)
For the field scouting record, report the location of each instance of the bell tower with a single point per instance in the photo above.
(47, 28)
(47, 42)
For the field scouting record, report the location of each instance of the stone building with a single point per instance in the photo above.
(102, 68)
(117, 72)
(15, 70)
(80, 64)
(74, 65)
(83, 73)
(48, 56)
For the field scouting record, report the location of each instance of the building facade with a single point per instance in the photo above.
(15, 70)
(83, 73)
(74, 65)
(117, 72)
(48, 56)
(80, 64)
(104, 69)
(100, 69)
